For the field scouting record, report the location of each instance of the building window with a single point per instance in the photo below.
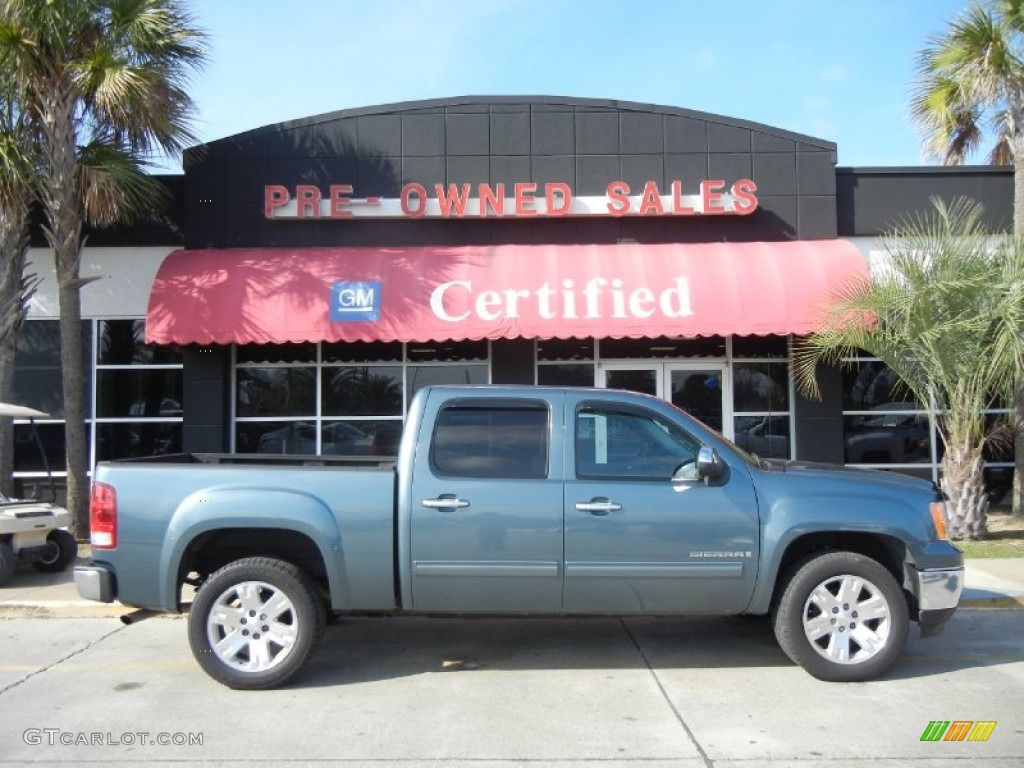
(882, 423)
(133, 396)
(340, 398)
(565, 362)
(138, 404)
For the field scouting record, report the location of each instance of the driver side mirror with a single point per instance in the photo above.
(709, 466)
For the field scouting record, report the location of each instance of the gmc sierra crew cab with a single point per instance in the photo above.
(523, 501)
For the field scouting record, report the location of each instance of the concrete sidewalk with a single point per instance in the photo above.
(988, 583)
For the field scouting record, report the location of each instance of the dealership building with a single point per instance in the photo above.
(310, 276)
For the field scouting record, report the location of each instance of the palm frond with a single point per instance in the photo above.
(113, 185)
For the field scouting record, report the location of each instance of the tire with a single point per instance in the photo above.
(255, 623)
(64, 551)
(842, 617)
(7, 562)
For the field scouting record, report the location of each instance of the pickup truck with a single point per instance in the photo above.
(523, 501)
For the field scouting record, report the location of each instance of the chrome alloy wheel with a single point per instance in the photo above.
(846, 619)
(252, 626)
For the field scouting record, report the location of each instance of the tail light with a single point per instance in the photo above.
(103, 516)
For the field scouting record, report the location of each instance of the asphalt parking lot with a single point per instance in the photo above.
(703, 691)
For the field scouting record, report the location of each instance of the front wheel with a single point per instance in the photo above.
(62, 551)
(842, 617)
(255, 623)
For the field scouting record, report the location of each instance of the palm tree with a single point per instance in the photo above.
(16, 288)
(971, 77)
(94, 73)
(948, 324)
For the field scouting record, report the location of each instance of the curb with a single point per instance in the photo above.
(991, 603)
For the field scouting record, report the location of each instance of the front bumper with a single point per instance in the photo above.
(96, 582)
(938, 594)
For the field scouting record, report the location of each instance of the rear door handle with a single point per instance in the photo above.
(446, 502)
(599, 506)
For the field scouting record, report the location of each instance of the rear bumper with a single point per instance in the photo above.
(938, 594)
(96, 582)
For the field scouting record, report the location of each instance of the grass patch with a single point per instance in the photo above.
(1005, 539)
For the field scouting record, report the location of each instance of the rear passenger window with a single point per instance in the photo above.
(475, 438)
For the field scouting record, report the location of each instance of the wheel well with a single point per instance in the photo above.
(215, 549)
(886, 550)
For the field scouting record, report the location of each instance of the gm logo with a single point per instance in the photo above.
(958, 730)
(352, 302)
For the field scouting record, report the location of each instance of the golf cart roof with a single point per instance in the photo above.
(21, 412)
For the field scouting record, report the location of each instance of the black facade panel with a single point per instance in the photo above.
(594, 172)
(337, 170)
(685, 135)
(510, 133)
(817, 217)
(512, 361)
(775, 174)
(817, 173)
(509, 171)
(205, 395)
(728, 138)
(468, 134)
(244, 180)
(380, 135)
(641, 133)
(553, 169)
(552, 133)
(295, 142)
(428, 171)
(379, 175)
(729, 168)
(766, 142)
(337, 138)
(290, 171)
(774, 219)
(469, 170)
(422, 135)
(818, 424)
(690, 169)
(637, 170)
(597, 133)
(871, 200)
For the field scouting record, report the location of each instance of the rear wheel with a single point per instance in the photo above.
(255, 623)
(842, 617)
(63, 549)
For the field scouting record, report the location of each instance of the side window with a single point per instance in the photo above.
(630, 445)
(476, 439)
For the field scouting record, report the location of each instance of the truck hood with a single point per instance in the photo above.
(812, 470)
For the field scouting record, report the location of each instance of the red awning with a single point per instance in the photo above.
(506, 291)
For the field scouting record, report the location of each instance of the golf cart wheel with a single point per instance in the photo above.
(63, 549)
(7, 562)
(255, 623)
(842, 617)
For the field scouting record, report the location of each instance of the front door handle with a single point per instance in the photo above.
(599, 506)
(446, 502)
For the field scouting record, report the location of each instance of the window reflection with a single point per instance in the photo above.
(362, 391)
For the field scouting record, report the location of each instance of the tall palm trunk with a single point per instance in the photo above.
(14, 293)
(963, 481)
(65, 237)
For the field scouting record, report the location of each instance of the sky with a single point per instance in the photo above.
(839, 70)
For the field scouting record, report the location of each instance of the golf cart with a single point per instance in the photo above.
(32, 530)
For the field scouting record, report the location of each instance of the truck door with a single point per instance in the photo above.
(486, 507)
(637, 541)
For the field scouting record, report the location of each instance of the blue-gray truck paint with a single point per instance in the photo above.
(370, 529)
